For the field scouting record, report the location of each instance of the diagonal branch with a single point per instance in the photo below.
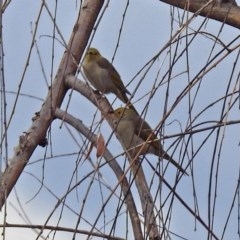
(139, 176)
(35, 135)
(126, 188)
(223, 12)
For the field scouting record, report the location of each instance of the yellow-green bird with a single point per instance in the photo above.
(134, 131)
(103, 76)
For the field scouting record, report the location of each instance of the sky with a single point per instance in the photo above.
(146, 29)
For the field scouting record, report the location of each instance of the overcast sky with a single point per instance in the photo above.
(146, 29)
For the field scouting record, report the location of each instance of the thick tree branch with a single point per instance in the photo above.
(35, 135)
(223, 12)
(136, 167)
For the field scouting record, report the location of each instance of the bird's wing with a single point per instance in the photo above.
(105, 64)
(144, 131)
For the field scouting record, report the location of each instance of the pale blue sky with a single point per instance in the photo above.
(145, 31)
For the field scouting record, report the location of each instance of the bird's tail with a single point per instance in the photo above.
(125, 99)
(171, 160)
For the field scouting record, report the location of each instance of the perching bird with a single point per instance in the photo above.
(103, 76)
(134, 131)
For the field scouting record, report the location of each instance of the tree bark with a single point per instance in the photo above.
(35, 135)
(225, 12)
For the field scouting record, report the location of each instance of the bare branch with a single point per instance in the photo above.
(35, 135)
(62, 229)
(224, 12)
(122, 180)
(135, 164)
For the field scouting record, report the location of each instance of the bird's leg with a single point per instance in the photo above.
(98, 94)
(96, 91)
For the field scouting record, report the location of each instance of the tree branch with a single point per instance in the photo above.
(135, 165)
(35, 135)
(224, 12)
(122, 180)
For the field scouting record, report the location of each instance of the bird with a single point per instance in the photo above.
(103, 76)
(135, 134)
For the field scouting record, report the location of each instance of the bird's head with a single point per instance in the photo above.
(91, 54)
(123, 113)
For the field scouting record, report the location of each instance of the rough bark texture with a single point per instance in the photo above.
(35, 135)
